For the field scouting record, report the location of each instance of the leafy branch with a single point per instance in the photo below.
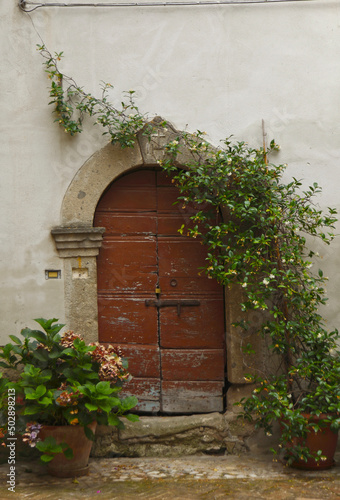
(72, 103)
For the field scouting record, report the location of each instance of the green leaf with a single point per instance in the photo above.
(45, 323)
(15, 339)
(46, 401)
(54, 354)
(40, 391)
(41, 355)
(68, 452)
(46, 458)
(69, 351)
(38, 335)
(88, 433)
(91, 406)
(115, 421)
(104, 387)
(129, 402)
(105, 406)
(50, 445)
(115, 402)
(32, 410)
(132, 417)
(26, 332)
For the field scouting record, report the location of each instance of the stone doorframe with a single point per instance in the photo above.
(78, 244)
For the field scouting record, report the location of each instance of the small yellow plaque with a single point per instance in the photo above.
(51, 274)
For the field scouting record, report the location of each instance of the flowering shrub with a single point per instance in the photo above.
(63, 381)
(259, 245)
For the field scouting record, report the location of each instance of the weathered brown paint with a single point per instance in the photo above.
(176, 354)
(148, 392)
(143, 359)
(185, 331)
(191, 397)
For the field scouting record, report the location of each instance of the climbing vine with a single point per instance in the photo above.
(259, 245)
(72, 104)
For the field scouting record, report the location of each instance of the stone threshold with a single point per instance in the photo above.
(175, 436)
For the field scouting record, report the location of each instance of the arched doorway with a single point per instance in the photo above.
(167, 318)
(78, 243)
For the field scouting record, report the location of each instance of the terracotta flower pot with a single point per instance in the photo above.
(324, 439)
(75, 437)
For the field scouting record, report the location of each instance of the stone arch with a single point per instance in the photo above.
(78, 242)
(106, 165)
(91, 180)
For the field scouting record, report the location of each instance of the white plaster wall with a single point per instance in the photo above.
(221, 69)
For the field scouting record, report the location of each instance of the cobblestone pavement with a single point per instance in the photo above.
(188, 478)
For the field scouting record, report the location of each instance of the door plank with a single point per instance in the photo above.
(121, 223)
(192, 397)
(144, 360)
(189, 285)
(147, 391)
(135, 191)
(192, 364)
(185, 331)
(127, 265)
(127, 320)
(184, 259)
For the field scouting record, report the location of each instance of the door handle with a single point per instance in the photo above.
(172, 303)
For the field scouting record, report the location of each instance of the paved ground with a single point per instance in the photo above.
(189, 478)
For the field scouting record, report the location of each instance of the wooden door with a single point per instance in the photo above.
(167, 318)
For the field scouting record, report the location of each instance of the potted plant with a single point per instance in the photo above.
(63, 389)
(260, 248)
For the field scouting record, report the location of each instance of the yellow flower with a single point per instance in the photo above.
(75, 421)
